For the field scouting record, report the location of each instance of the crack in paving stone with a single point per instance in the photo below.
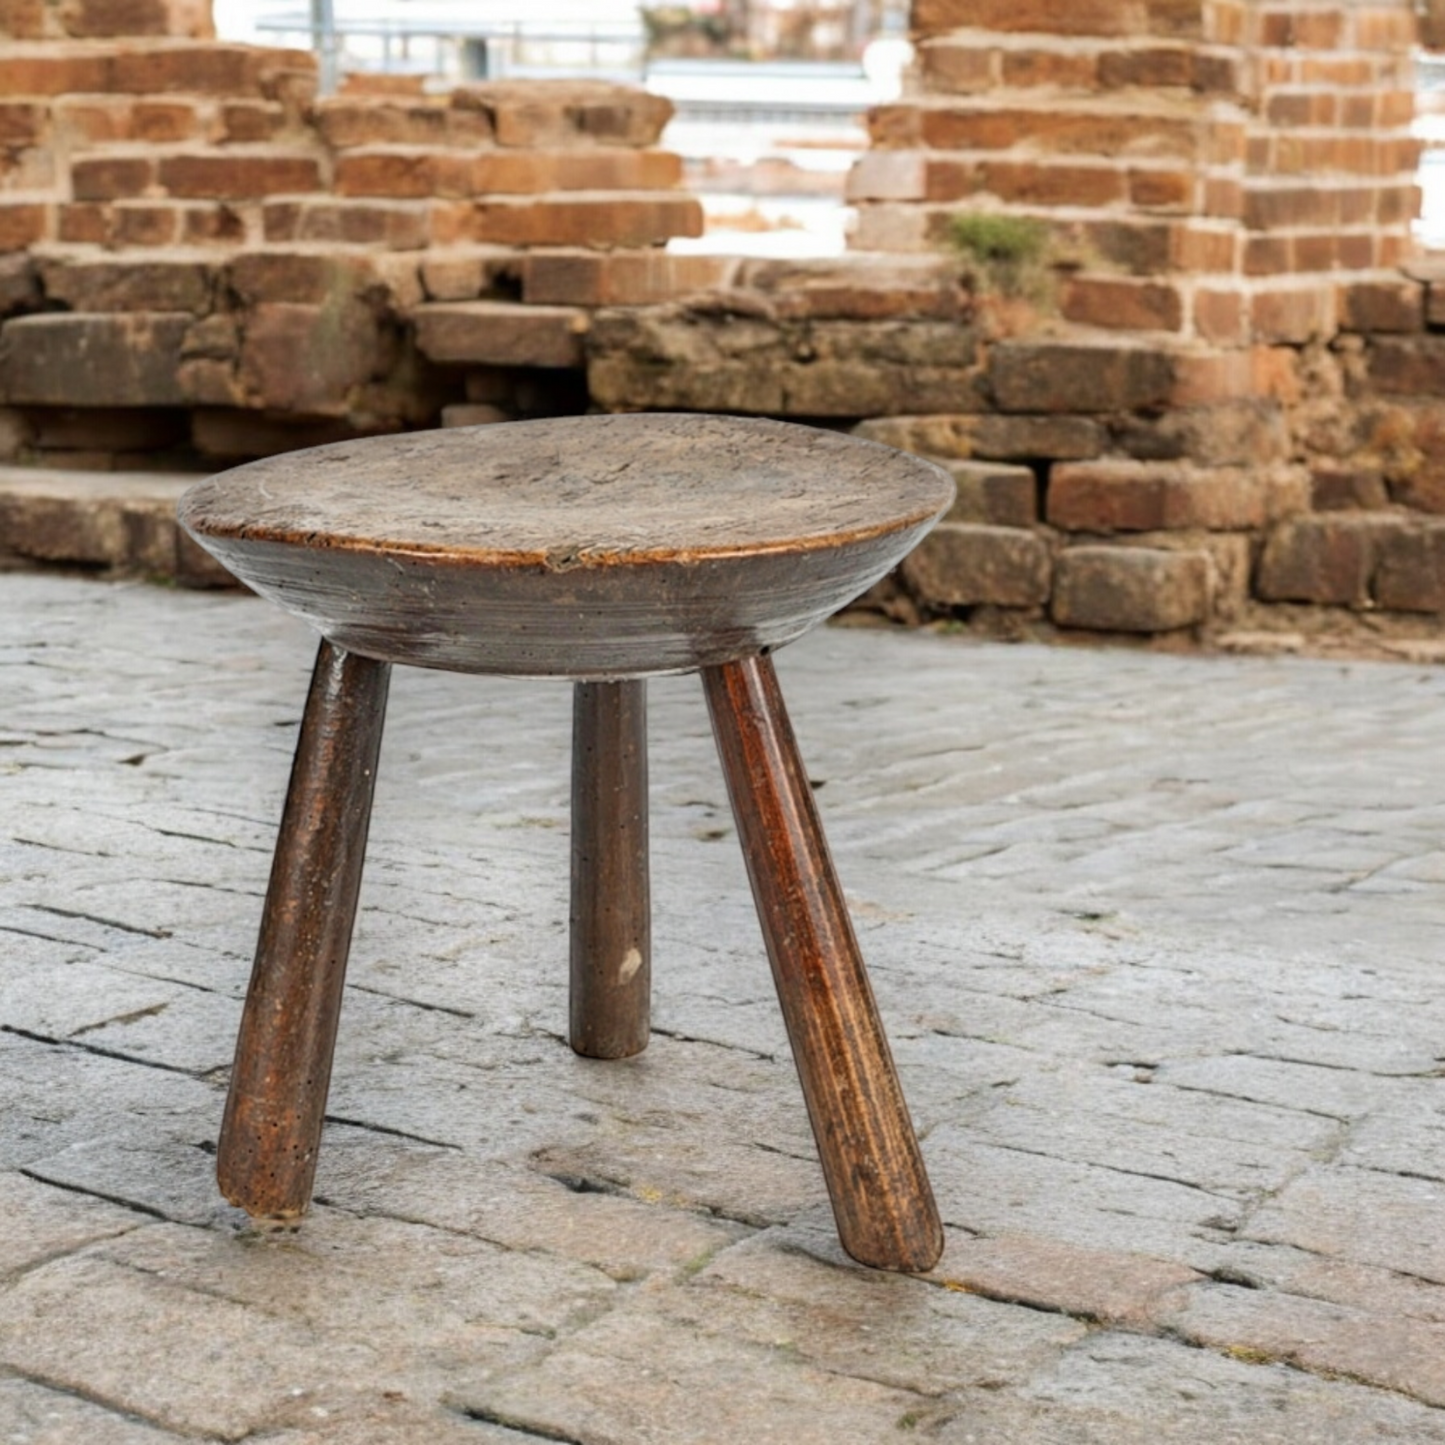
(134, 1016)
(392, 1133)
(34, 1172)
(515, 1424)
(99, 1402)
(103, 922)
(438, 1008)
(679, 1037)
(1113, 1169)
(1249, 1099)
(118, 1054)
(60, 848)
(49, 937)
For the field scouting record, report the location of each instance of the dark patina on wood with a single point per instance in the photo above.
(611, 902)
(881, 1196)
(606, 546)
(605, 549)
(266, 1159)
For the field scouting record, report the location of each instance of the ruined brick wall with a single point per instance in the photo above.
(1213, 405)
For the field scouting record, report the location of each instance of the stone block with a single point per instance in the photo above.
(1131, 589)
(501, 333)
(465, 273)
(84, 359)
(961, 564)
(307, 276)
(994, 493)
(160, 283)
(308, 359)
(19, 288)
(110, 178)
(105, 429)
(1410, 570)
(1347, 489)
(237, 175)
(860, 286)
(1326, 559)
(1066, 376)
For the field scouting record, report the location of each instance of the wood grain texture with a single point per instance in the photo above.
(882, 1199)
(266, 1159)
(611, 927)
(591, 547)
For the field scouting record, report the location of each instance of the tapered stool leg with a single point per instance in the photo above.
(611, 908)
(266, 1160)
(881, 1196)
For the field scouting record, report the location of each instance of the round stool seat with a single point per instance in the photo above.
(601, 547)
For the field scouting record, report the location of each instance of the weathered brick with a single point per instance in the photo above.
(80, 359)
(46, 70)
(993, 492)
(888, 175)
(131, 284)
(308, 277)
(561, 112)
(1410, 572)
(1057, 128)
(1025, 182)
(1111, 496)
(200, 68)
(1023, 66)
(308, 359)
(190, 19)
(1407, 367)
(404, 172)
(1001, 438)
(499, 333)
(396, 225)
(961, 564)
(1049, 376)
(109, 178)
(958, 66)
(1087, 17)
(1122, 303)
(22, 223)
(1293, 315)
(1321, 559)
(1347, 489)
(22, 123)
(251, 122)
(86, 223)
(233, 175)
(536, 171)
(582, 218)
(1131, 589)
(347, 122)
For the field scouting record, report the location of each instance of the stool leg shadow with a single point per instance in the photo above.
(266, 1159)
(611, 946)
(882, 1199)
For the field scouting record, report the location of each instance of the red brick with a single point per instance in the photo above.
(1121, 303)
(1058, 69)
(1162, 190)
(1413, 367)
(1382, 306)
(251, 121)
(101, 18)
(1046, 376)
(202, 69)
(22, 123)
(1060, 130)
(83, 223)
(1026, 182)
(534, 172)
(994, 493)
(348, 123)
(144, 223)
(954, 66)
(582, 218)
(1152, 497)
(163, 121)
(1219, 315)
(404, 173)
(28, 70)
(1155, 66)
(22, 224)
(24, 19)
(229, 175)
(1131, 589)
(1344, 489)
(961, 564)
(395, 225)
(1294, 315)
(538, 114)
(1084, 17)
(109, 178)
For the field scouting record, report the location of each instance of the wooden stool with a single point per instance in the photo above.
(603, 549)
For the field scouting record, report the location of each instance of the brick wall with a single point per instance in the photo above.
(1213, 408)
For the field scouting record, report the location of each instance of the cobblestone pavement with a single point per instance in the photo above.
(1159, 942)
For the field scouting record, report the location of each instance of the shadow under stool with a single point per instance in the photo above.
(603, 549)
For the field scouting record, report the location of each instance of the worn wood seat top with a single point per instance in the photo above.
(586, 546)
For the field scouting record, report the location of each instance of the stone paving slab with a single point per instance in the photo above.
(1157, 940)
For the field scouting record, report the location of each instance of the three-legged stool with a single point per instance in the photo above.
(604, 549)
